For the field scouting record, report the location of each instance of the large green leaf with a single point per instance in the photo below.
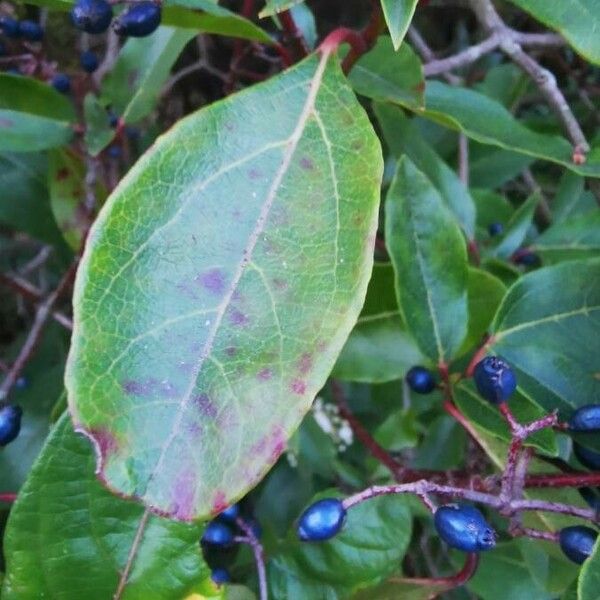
(403, 136)
(134, 83)
(33, 115)
(220, 281)
(577, 237)
(577, 20)
(67, 537)
(571, 199)
(429, 257)
(386, 75)
(398, 15)
(548, 327)
(588, 586)
(367, 550)
(488, 122)
(379, 349)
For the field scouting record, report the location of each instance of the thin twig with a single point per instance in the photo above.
(425, 52)
(259, 556)
(462, 59)
(42, 315)
(545, 81)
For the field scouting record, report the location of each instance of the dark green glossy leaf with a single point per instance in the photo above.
(493, 167)
(547, 327)
(443, 445)
(68, 537)
(588, 587)
(491, 208)
(379, 349)
(574, 238)
(484, 294)
(577, 20)
(403, 136)
(134, 83)
(390, 76)
(183, 326)
(33, 115)
(571, 199)
(488, 122)
(487, 416)
(398, 15)
(368, 549)
(24, 201)
(516, 228)
(429, 257)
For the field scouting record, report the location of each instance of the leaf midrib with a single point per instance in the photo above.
(290, 148)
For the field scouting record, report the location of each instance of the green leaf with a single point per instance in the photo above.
(480, 411)
(491, 208)
(24, 201)
(98, 132)
(429, 257)
(491, 167)
(388, 76)
(398, 15)
(588, 586)
(379, 349)
(244, 239)
(578, 21)
(484, 294)
(368, 549)
(67, 537)
(547, 327)
(517, 228)
(488, 122)
(273, 7)
(134, 83)
(403, 136)
(574, 238)
(571, 199)
(33, 115)
(398, 588)
(66, 173)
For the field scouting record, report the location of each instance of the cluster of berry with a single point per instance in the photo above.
(220, 534)
(91, 16)
(138, 20)
(463, 526)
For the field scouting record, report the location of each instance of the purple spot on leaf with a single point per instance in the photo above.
(265, 374)
(204, 404)
(106, 441)
(306, 163)
(305, 363)
(298, 386)
(238, 318)
(219, 503)
(213, 281)
(254, 174)
(231, 351)
(183, 496)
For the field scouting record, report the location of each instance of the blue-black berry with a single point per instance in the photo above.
(495, 229)
(231, 513)
(10, 423)
(588, 458)
(585, 418)
(463, 527)
(92, 16)
(420, 380)
(3, 51)
(220, 576)
(321, 520)
(217, 534)
(61, 83)
(88, 61)
(577, 542)
(21, 383)
(30, 30)
(113, 120)
(139, 20)
(9, 27)
(114, 152)
(526, 258)
(495, 380)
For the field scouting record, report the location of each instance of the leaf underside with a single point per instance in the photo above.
(218, 287)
